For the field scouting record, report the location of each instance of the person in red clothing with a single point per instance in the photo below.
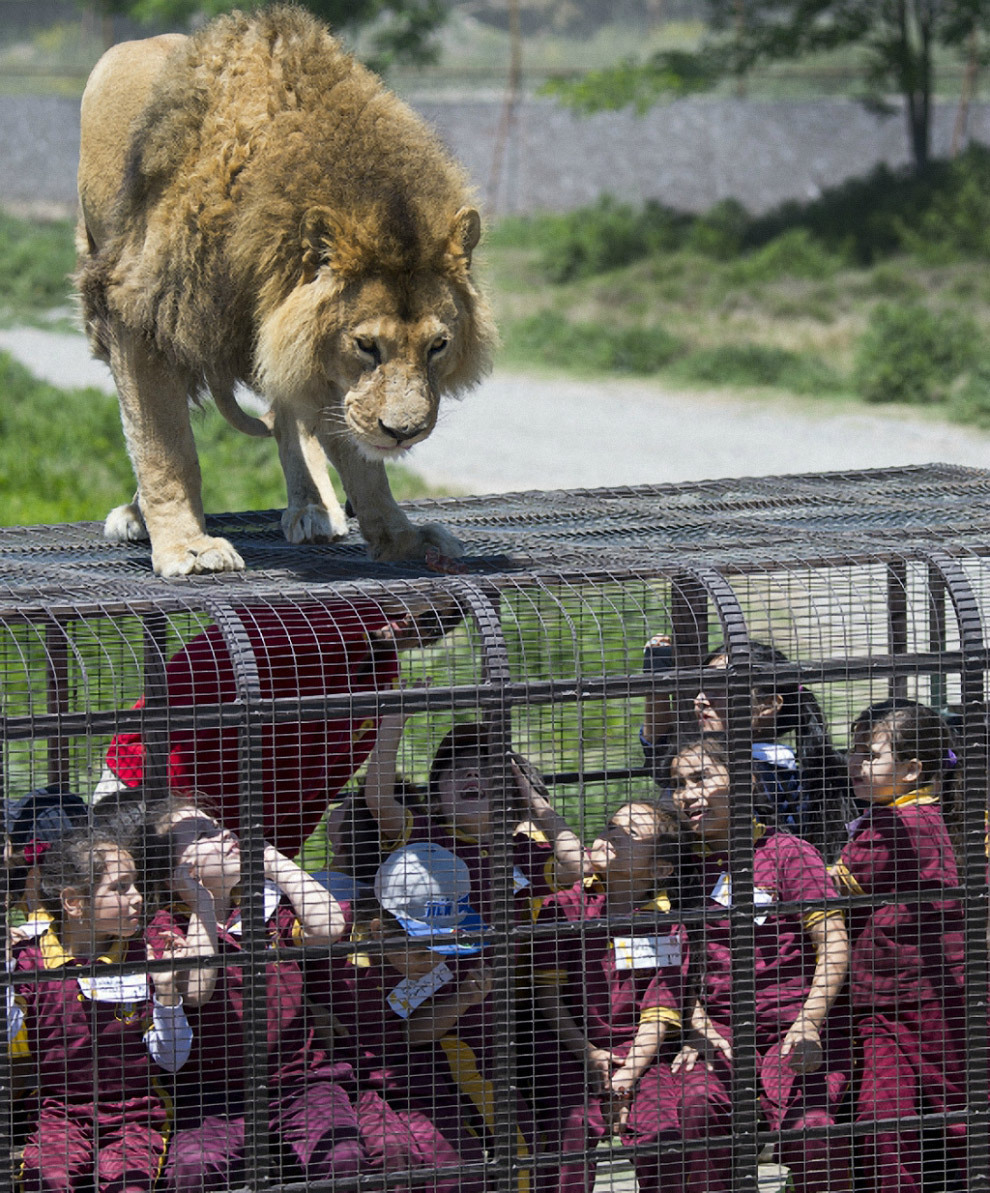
(801, 959)
(311, 1111)
(610, 994)
(458, 813)
(92, 1046)
(905, 980)
(301, 650)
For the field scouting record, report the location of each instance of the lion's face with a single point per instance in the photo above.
(391, 358)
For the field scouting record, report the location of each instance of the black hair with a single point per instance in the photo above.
(41, 818)
(78, 861)
(473, 741)
(916, 731)
(674, 845)
(821, 801)
(361, 834)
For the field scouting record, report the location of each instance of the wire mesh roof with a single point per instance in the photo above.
(737, 525)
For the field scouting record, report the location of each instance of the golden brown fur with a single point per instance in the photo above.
(255, 206)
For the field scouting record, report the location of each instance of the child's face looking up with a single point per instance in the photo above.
(116, 903)
(874, 771)
(211, 853)
(463, 796)
(700, 791)
(628, 844)
(711, 710)
(411, 960)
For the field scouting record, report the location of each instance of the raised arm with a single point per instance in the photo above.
(320, 916)
(571, 860)
(379, 782)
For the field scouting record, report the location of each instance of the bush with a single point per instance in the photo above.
(553, 340)
(793, 254)
(720, 231)
(35, 262)
(911, 354)
(760, 364)
(606, 236)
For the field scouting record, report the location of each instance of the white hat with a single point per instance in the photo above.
(426, 888)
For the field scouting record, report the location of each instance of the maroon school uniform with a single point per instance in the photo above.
(300, 650)
(904, 982)
(610, 982)
(103, 1113)
(310, 1105)
(533, 862)
(428, 1106)
(692, 1105)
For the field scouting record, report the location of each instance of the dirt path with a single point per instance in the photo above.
(529, 432)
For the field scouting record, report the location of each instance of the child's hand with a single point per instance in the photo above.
(599, 1064)
(621, 1089)
(187, 886)
(803, 1046)
(477, 985)
(164, 980)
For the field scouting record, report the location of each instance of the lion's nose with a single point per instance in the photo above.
(400, 434)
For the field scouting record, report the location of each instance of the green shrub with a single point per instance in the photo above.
(719, 233)
(793, 254)
(605, 236)
(759, 364)
(969, 401)
(551, 339)
(909, 353)
(35, 262)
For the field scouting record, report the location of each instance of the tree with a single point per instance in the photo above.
(897, 40)
(399, 30)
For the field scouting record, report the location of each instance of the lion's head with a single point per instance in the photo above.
(389, 329)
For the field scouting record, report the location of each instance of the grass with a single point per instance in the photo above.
(63, 458)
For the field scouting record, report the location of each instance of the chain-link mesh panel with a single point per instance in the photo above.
(647, 850)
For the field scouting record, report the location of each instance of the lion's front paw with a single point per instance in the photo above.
(415, 543)
(125, 525)
(313, 524)
(201, 554)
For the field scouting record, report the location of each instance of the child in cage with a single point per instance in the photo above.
(799, 966)
(300, 650)
(905, 977)
(611, 994)
(311, 1113)
(34, 824)
(92, 1045)
(460, 815)
(806, 788)
(413, 1004)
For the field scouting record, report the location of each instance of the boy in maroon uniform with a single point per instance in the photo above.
(609, 995)
(905, 976)
(416, 1012)
(90, 1046)
(311, 1112)
(800, 965)
(547, 854)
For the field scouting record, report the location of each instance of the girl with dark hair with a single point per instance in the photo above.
(90, 1046)
(905, 977)
(805, 789)
(799, 966)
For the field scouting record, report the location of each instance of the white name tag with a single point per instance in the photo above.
(116, 987)
(722, 893)
(646, 952)
(409, 994)
(519, 880)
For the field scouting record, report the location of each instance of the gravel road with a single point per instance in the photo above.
(533, 432)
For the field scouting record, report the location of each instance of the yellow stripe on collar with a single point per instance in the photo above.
(54, 955)
(923, 797)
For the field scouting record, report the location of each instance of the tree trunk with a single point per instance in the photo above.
(966, 93)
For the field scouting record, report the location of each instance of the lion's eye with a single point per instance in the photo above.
(439, 345)
(369, 348)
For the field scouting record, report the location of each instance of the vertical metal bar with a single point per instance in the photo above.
(57, 682)
(938, 689)
(496, 675)
(257, 1151)
(897, 620)
(689, 623)
(156, 741)
(739, 679)
(974, 810)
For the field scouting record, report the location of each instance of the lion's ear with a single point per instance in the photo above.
(465, 232)
(316, 236)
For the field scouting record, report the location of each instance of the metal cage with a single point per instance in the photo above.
(264, 691)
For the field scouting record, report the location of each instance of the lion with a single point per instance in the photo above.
(256, 207)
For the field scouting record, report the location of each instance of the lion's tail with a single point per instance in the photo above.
(226, 403)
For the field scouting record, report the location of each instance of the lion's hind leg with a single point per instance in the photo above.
(312, 514)
(125, 524)
(155, 415)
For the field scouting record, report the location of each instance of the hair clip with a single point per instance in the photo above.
(35, 850)
(950, 759)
